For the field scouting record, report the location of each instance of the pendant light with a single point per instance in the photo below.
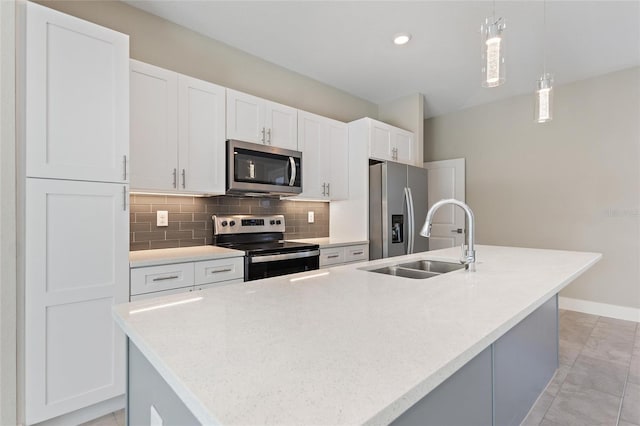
(493, 69)
(543, 111)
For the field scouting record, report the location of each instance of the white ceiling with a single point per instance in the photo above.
(347, 44)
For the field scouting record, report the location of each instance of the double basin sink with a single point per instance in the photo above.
(419, 269)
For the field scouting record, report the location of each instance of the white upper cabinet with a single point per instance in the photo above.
(257, 120)
(77, 98)
(201, 136)
(154, 127)
(338, 136)
(177, 132)
(325, 157)
(389, 143)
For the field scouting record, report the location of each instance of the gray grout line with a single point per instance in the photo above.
(624, 391)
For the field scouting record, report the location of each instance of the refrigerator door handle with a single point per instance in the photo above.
(407, 198)
(412, 224)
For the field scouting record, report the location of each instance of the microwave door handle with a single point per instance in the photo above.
(293, 171)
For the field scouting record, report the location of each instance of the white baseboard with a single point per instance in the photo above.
(600, 309)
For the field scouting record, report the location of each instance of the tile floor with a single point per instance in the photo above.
(598, 382)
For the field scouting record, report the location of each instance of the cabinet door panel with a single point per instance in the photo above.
(77, 104)
(403, 142)
(310, 145)
(337, 160)
(76, 269)
(245, 117)
(380, 144)
(154, 131)
(201, 136)
(281, 123)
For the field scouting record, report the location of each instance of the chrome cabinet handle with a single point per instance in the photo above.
(168, 277)
(324, 189)
(328, 190)
(269, 136)
(175, 178)
(263, 137)
(333, 256)
(184, 179)
(357, 253)
(217, 271)
(124, 166)
(124, 198)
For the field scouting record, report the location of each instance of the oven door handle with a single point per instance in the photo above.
(283, 256)
(292, 181)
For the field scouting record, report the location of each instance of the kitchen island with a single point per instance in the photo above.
(349, 346)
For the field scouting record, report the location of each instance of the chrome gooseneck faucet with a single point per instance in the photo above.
(469, 255)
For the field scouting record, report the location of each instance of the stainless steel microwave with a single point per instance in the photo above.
(254, 169)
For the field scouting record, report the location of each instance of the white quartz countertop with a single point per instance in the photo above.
(345, 346)
(327, 242)
(140, 258)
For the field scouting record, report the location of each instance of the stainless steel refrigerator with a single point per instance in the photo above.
(397, 209)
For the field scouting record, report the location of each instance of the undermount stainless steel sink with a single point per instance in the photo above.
(419, 269)
(433, 266)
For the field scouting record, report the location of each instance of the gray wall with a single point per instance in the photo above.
(406, 113)
(162, 43)
(569, 184)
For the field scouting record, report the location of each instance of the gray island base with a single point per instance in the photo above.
(490, 369)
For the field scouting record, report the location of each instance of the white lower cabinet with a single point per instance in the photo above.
(153, 281)
(333, 256)
(75, 270)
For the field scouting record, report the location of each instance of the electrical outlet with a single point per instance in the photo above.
(310, 217)
(162, 218)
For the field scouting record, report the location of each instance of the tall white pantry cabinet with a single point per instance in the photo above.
(74, 220)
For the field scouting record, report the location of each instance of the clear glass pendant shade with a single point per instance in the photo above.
(544, 99)
(493, 66)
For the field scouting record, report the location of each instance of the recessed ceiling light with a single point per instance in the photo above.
(402, 38)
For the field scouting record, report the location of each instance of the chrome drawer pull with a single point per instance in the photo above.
(357, 253)
(217, 271)
(333, 256)
(170, 277)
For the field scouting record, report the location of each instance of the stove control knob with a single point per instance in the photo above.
(232, 223)
(278, 222)
(273, 222)
(224, 223)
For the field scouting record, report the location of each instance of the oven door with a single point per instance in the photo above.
(262, 169)
(273, 265)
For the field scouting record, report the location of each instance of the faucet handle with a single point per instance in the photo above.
(463, 254)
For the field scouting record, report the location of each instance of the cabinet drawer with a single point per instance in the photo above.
(331, 256)
(160, 293)
(212, 271)
(220, 284)
(356, 253)
(159, 278)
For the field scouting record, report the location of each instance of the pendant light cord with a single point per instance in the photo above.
(544, 37)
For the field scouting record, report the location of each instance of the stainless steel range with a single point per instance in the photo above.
(261, 238)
